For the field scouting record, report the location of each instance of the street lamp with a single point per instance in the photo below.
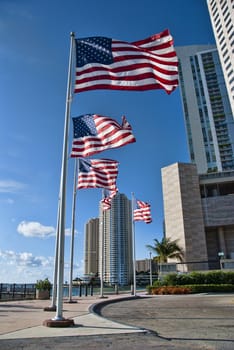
(221, 256)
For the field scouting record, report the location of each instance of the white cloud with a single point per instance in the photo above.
(35, 229)
(24, 267)
(10, 186)
(24, 259)
(68, 232)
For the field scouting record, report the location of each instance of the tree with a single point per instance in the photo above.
(166, 249)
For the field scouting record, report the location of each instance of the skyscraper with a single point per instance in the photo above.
(116, 247)
(222, 20)
(91, 251)
(207, 110)
(198, 197)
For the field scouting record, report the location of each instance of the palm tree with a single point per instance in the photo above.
(166, 249)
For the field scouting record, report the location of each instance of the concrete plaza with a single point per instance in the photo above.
(168, 322)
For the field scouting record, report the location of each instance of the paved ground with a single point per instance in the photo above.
(179, 322)
(191, 322)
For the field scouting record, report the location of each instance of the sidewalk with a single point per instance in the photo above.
(24, 319)
(169, 322)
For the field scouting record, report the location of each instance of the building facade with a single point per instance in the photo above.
(183, 213)
(144, 266)
(198, 213)
(207, 110)
(115, 242)
(198, 197)
(91, 249)
(222, 20)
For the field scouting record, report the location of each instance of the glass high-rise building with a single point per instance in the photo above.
(116, 247)
(222, 20)
(207, 109)
(199, 197)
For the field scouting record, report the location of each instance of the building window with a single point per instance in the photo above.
(231, 35)
(226, 59)
(230, 73)
(224, 12)
(229, 29)
(219, 28)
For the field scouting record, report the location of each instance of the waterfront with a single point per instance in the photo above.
(18, 291)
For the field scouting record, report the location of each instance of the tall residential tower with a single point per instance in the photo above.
(207, 110)
(116, 241)
(91, 251)
(199, 197)
(222, 20)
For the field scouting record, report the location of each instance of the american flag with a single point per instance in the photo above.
(97, 173)
(143, 212)
(105, 63)
(94, 133)
(106, 201)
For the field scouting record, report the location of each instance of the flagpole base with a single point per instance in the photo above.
(65, 322)
(50, 308)
(71, 301)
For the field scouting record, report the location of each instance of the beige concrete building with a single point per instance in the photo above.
(91, 252)
(198, 212)
(183, 213)
(144, 265)
(217, 196)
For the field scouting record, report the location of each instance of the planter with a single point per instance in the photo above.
(42, 294)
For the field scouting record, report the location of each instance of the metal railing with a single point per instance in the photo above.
(17, 291)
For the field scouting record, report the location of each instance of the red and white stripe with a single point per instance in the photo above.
(147, 64)
(143, 212)
(103, 174)
(110, 134)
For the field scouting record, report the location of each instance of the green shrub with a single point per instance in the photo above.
(43, 284)
(169, 279)
(193, 288)
(210, 277)
(211, 288)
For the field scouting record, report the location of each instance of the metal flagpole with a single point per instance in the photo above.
(133, 246)
(63, 180)
(73, 233)
(52, 307)
(102, 267)
(102, 251)
(150, 261)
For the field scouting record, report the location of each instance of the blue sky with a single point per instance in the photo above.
(35, 40)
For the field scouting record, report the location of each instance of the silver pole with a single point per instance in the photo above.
(63, 180)
(53, 301)
(133, 248)
(73, 231)
(151, 280)
(102, 255)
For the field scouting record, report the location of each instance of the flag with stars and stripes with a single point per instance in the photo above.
(142, 212)
(105, 63)
(106, 201)
(94, 133)
(97, 173)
